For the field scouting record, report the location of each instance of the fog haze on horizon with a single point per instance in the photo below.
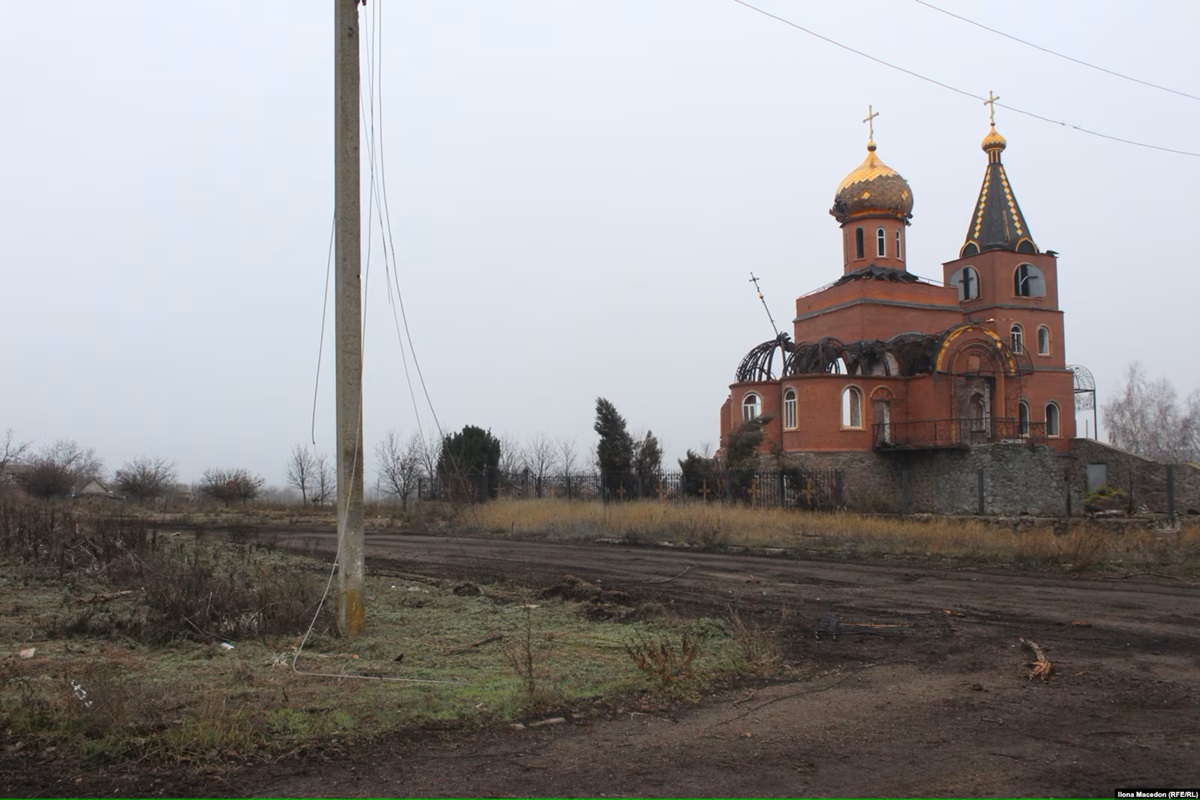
(578, 193)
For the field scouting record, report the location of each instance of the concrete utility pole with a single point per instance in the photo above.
(348, 320)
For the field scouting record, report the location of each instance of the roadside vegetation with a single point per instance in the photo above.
(1085, 544)
(130, 639)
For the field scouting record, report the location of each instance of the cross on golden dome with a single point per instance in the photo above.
(870, 120)
(991, 104)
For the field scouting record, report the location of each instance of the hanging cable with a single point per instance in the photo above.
(321, 342)
(1064, 56)
(963, 92)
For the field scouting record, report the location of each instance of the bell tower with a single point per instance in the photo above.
(1005, 282)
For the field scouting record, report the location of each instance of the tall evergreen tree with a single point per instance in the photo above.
(614, 452)
(741, 454)
(470, 457)
(647, 464)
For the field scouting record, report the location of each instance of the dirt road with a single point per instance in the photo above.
(941, 706)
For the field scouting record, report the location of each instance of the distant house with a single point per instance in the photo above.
(11, 474)
(94, 488)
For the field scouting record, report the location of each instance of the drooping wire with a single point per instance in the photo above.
(344, 506)
(321, 342)
(392, 245)
(398, 301)
(963, 92)
(1064, 56)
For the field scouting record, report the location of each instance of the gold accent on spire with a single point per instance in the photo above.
(870, 169)
(993, 140)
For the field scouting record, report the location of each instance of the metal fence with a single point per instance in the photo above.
(929, 434)
(813, 489)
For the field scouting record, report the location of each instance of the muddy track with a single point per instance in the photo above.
(1146, 610)
(924, 691)
(942, 707)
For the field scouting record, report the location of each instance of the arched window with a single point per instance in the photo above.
(851, 407)
(881, 243)
(1018, 338)
(967, 281)
(1023, 419)
(1043, 341)
(1028, 281)
(858, 243)
(789, 409)
(1052, 419)
(751, 406)
(899, 250)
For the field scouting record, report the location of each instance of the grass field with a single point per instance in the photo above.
(1083, 544)
(127, 642)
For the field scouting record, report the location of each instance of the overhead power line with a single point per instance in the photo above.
(964, 92)
(1063, 56)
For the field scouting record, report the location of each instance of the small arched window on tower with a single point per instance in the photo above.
(967, 281)
(789, 409)
(851, 407)
(1023, 419)
(1018, 338)
(1052, 419)
(1028, 281)
(1043, 341)
(858, 243)
(881, 243)
(899, 251)
(751, 407)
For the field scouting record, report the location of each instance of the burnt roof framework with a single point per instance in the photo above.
(904, 355)
(759, 364)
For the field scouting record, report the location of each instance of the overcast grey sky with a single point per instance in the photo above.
(578, 193)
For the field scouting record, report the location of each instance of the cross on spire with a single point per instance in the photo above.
(991, 104)
(870, 120)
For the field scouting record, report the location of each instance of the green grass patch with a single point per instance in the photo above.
(180, 648)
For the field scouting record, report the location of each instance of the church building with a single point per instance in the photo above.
(882, 361)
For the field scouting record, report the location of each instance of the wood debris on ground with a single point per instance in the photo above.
(1041, 667)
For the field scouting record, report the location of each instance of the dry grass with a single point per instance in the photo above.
(1084, 544)
(126, 643)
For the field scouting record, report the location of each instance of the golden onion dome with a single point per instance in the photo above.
(993, 141)
(872, 189)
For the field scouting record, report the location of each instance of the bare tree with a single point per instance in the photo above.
(11, 451)
(512, 454)
(146, 478)
(568, 455)
(1145, 417)
(301, 471)
(59, 468)
(399, 465)
(324, 480)
(541, 456)
(431, 454)
(231, 485)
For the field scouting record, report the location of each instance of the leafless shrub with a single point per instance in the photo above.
(231, 485)
(208, 593)
(398, 466)
(59, 468)
(59, 538)
(759, 650)
(146, 478)
(660, 658)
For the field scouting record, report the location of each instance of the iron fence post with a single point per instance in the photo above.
(1171, 493)
(982, 503)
